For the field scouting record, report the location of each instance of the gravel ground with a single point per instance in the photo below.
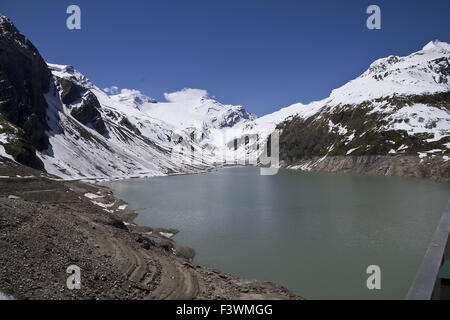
(47, 225)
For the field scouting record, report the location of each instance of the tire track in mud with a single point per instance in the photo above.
(161, 276)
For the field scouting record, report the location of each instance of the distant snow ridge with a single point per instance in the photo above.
(132, 98)
(423, 72)
(193, 108)
(70, 73)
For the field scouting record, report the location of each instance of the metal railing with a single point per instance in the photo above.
(427, 285)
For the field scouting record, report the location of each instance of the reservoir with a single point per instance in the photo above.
(314, 233)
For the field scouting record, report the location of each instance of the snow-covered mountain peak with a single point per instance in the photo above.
(193, 108)
(6, 25)
(424, 72)
(132, 98)
(10, 32)
(68, 72)
(437, 45)
(4, 19)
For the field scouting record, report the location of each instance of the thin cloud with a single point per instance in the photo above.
(112, 90)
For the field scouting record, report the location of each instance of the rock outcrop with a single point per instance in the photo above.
(88, 112)
(24, 78)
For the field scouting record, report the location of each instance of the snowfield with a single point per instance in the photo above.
(420, 118)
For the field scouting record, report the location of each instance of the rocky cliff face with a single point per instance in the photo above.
(83, 103)
(24, 79)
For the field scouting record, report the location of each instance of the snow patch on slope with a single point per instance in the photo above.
(420, 118)
(3, 141)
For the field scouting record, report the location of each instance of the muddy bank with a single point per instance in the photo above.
(435, 168)
(47, 225)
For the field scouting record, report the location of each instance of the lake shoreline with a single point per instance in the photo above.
(435, 168)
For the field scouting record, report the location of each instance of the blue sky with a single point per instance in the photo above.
(262, 54)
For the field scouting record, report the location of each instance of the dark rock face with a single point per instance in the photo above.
(125, 122)
(24, 79)
(70, 92)
(25, 154)
(88, 112)
(234, 116)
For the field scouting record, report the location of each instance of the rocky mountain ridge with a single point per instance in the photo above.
(399, 107)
